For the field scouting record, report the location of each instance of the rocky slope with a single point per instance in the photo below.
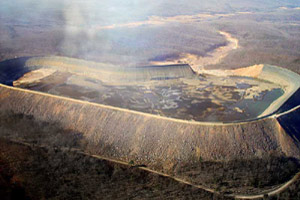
(173, 146)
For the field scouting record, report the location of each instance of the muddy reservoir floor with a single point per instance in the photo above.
(201, 98)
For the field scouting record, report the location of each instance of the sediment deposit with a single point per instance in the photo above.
(197, 62)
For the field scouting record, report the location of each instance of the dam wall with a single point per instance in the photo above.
(111, 73)
(289, 80)
(12, 70)
(158, 142)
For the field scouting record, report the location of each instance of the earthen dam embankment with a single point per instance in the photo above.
(159, 142)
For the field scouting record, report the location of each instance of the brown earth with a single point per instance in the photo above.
(31, 172)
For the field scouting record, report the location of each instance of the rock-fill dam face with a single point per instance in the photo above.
(173, 91)
(154, 140)
(161, 143)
